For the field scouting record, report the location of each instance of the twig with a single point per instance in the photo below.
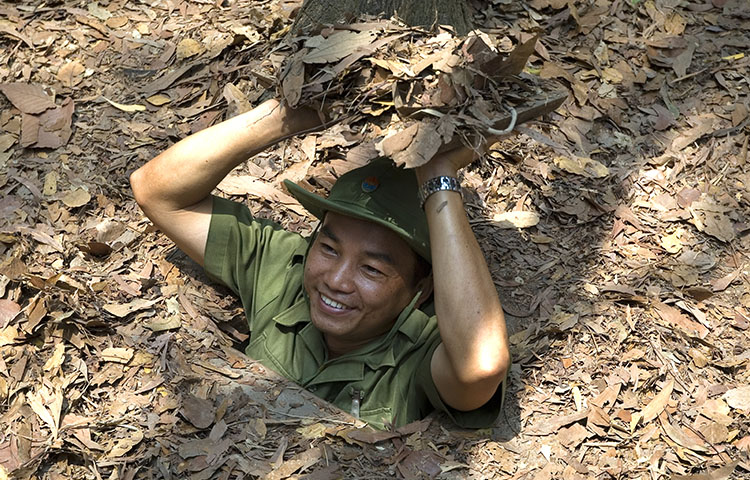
(593, 337)
(669, 365)
(685, 77)
(682, 422)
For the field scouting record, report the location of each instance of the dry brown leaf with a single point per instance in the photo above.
(680, 437)
(126, 108)
(721, 284)
(50, 184)
(633, 354)
(29, 99)
(516, 219)
(198, 411)
(124, 445)
(158, 324)
(116, 22)
(672, 243)
(675, 24)
(612, 75)
(515, 62)
(76, 198)
(723, 473)
(703, 125)
(541, 239)
(300, 461)
(337, 46)
(367, 435)
(158, 100)
(71, 73)
(743, 444)
(236, 99)
(54, 126)
(188, 48)
(249, 185)
(117, 354)
(8, 311)
(8, 335)
(417, 144)
(573, 435)
(658, 403)
(48, 406)
(99, 12)
(682, 61)
(582, 166)
(56, 359)
(313, 431)
(293, 80)
(714, 223)
(673, 317)
(125, 309)
(739, 114)
(7, 140)
(8, 29)
(738, 398)
(553, 424)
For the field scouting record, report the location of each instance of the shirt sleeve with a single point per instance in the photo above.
(481, 417)
(242, 252)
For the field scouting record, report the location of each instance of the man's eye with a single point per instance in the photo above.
(372, 271)
(327, 248)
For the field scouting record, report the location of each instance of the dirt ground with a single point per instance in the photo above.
(626, 287)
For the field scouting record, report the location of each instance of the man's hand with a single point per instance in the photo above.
(174, 188)
(449, 162)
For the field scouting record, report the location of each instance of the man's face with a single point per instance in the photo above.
(359, 276)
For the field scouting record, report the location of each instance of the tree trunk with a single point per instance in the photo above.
(423, 13)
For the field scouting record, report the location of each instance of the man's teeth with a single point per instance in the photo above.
(332, 303)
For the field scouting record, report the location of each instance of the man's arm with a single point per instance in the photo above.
(471, 362)
(174, 189)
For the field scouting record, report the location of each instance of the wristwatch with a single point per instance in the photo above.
(437, 184)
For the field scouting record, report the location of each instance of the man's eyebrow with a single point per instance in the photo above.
(381, 256)
(325, 230)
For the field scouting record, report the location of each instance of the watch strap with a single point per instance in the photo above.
(437, 184)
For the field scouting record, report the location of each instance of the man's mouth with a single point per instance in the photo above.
(333, 303)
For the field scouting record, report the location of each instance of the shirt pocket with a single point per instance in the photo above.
(377, 416)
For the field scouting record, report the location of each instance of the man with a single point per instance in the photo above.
(346, 313)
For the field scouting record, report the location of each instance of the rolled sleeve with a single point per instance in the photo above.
(255, 258)
(481, 417)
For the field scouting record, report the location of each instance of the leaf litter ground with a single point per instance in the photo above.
(616, 229)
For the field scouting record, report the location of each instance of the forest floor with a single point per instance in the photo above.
(628, 300)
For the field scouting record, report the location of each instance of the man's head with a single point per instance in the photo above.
(370, 257)
(379, 192)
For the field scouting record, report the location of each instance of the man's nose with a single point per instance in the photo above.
(341, 276)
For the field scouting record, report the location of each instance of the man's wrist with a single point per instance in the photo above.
(428, 171)
(298, 120)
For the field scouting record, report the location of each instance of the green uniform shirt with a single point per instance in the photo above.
(263, 264)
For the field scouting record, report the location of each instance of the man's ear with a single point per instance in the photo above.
(426, 286)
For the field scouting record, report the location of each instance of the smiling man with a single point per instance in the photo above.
(388, 311)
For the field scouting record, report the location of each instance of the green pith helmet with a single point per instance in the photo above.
(379, 192)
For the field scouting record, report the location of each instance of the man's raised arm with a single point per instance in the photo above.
(174, 188)
(472, 360)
